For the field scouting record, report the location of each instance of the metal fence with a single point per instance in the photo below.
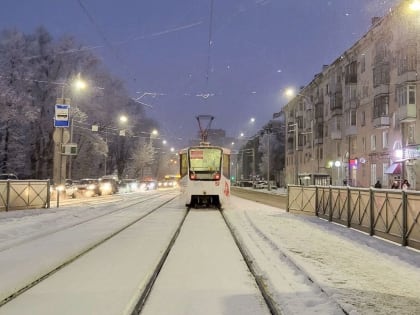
(24, 194)
(390, 214)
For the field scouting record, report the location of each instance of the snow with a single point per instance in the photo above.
(364, 274)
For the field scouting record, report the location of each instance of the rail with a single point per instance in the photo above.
(24, 194)
(390, 214)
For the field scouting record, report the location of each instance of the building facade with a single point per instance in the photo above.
(357, 121)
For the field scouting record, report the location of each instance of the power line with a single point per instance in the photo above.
(210, 43)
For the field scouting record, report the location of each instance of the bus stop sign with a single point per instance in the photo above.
(61, 117)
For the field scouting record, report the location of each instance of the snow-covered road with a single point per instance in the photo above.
(309, 266)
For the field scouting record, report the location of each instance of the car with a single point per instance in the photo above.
(148, 185)
(67, 190)
(261, 185)
(128, 185)
(89, 187)
(8, 176)
(167, 183)
(108, 186)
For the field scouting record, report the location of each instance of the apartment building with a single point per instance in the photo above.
(358, 121)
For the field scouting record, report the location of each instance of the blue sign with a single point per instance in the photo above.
(61, 117)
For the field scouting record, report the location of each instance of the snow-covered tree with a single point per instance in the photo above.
(142, 157)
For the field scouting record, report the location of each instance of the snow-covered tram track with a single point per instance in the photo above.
(204, 273)
(53, 230)
(289, 272)
(12, 288)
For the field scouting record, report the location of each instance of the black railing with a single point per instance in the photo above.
(390, 214)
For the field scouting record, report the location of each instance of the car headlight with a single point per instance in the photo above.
(91, 187)
(106, 186)
(60, 188)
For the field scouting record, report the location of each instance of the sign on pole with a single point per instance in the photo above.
(61, 117)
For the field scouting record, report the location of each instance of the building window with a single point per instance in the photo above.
(385, 139)
(351, 73)
(363, 120)
(353, 117)
(406, 95)
(364, 144)
(407, 60)
(373, 178)
(410, 137)
(384, 175)
(373, 142)
(362, 63)
(365, 91)
(381, 75)
(380, 106)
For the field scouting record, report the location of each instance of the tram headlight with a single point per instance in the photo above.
(216, 176)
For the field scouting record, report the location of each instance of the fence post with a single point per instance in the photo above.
(348, 207)
(371, 214)
(404, 218)
(288, 197)
(330, 212)
(7, 195)
(48, 205)
(316, 201)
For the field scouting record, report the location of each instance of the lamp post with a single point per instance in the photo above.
(337, 164)
(79, 84)
(290, 93)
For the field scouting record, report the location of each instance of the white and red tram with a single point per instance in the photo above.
(205, 176)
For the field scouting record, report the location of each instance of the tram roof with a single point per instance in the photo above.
(225, 150)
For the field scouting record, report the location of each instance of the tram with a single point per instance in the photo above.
(204, 172)
(205, 176)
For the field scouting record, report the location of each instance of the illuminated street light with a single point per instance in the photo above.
(337, 164)
(123, 119)
(415, 5)
(79, 84)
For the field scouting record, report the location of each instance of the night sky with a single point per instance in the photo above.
(161, 48)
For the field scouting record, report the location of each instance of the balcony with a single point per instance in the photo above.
(381, 122)
(381, 89)
(351, 131)
(352, 103)
(407, 113)
(318, 141)
(336, 111)
(300, 113)
(407, 76)
(336, 135)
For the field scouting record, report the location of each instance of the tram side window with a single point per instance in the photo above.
(226, 165)
(183, 165)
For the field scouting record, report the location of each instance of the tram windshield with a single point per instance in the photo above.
(205, 163)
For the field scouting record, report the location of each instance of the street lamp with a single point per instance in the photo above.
(79, 85)
(415, 5)
(337, 164)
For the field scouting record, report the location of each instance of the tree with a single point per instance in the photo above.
(142, 157)
(35, 69)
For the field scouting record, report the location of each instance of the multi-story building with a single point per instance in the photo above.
(358, 121)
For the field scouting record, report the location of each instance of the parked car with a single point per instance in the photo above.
(8, 176)
(89, 187)
(261, 185)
